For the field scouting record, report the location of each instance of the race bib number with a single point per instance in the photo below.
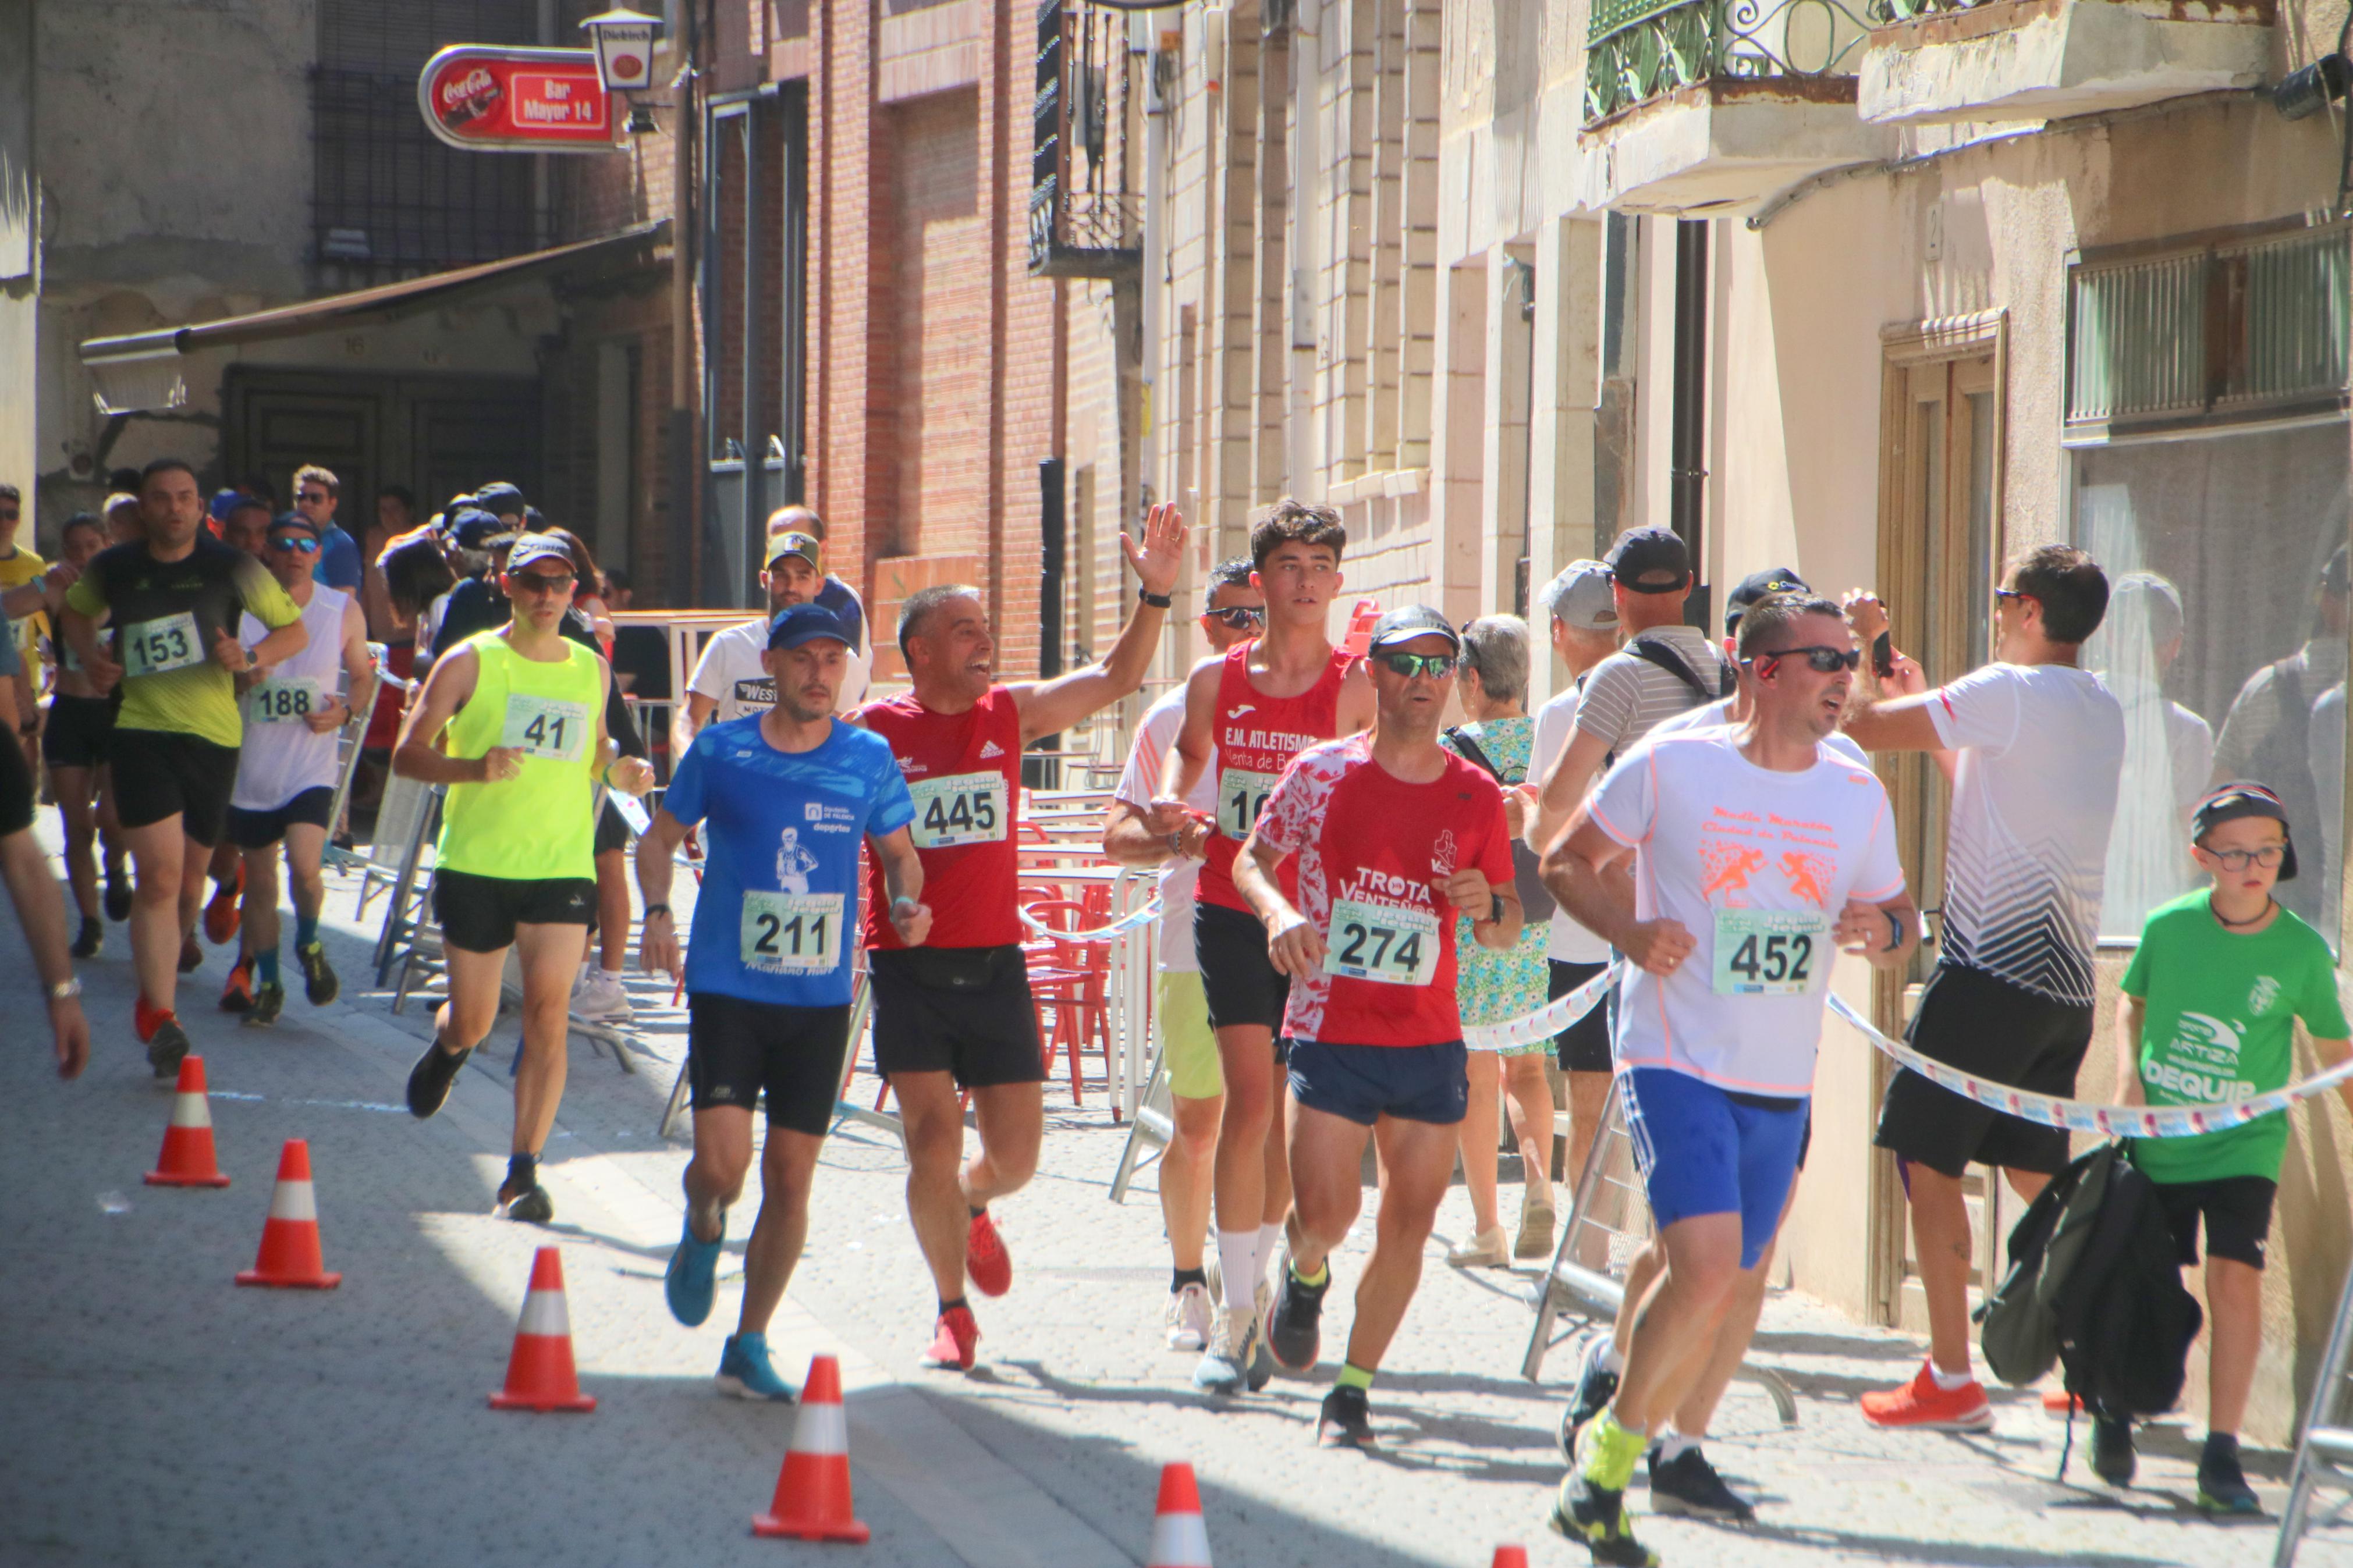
(540, 727)
(1770, 952)
(1385, 942)
(791, 933)
(168, 643)
(285, 701)
(1242, 796)
(962, 808)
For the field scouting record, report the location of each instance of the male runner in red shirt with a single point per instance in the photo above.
(955, 1013)
(1392, 834)
(1251, 713)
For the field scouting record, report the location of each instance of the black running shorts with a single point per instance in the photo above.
(479, 914)
(961, 1010)
(1583, 1046)
(16, 790)
(2237, 1211)
(260, 829)
(1242, 982)
(612, 830)
(163, 772)
(737, 1049)
(76, 731)
(2001, 1033)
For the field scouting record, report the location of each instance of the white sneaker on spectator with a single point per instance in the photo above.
(600, 994)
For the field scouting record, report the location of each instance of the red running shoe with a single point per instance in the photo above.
(1921, 1404)
(236, 996)
(986, 1262)
(955, 1342)
(221, 915)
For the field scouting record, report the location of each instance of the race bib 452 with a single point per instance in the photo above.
(1770, 952)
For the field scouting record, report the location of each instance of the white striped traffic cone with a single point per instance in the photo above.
(1179, 1538)
(812, 1501)
(290, 1256)
(540, 1373)
(187, 1160)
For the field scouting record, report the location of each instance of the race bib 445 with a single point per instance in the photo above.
(962, 808)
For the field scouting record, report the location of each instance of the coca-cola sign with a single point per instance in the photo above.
(488, 99)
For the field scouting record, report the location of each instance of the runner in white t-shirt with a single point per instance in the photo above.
(1756, 854)
(1188, 1047)
(731, 680)
(2041, 743)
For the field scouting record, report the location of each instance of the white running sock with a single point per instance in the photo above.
(1610, 1358)
(1270, 1246)
(1672, 1445)
(1237, 1263)
(1950, 1381)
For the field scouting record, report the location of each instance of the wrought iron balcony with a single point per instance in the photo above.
(1086, 219)
(1638, 51)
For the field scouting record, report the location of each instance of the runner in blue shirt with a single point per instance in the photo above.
(785, 798)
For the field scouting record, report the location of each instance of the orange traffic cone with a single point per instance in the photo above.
(1179, 1539)
(188, 1158)
(289, 1237)
(812, 1501)
(540, 1373)
(1510, 1557)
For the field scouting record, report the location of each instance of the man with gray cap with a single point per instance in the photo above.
(731, 680)
(1393, 835)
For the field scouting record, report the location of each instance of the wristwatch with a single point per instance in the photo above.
(65, 990)
(653, 910)
(1157, 601)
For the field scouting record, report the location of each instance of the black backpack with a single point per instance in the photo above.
(1658, 651)
(2095, 1283)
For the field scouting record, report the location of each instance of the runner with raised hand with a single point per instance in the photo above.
(1246, 714)
(172, 601)
(956, 1014)
(1394, 837)
(1755, 850)
(513, 721)
(785, 798)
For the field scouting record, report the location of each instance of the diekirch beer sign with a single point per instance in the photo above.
(488, 99)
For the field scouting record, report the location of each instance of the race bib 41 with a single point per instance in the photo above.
(1390, 943)
(542, 727)
(1770, 952)
(962, 808)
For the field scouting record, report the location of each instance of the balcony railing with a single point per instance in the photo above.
(1641, 49)
(1086, 219)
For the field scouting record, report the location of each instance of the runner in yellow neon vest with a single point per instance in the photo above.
(513, 721)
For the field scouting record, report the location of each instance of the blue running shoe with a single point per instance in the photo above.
(692, 1278)
(744, 1372)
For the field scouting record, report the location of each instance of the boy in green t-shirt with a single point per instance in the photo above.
(2209, 1013)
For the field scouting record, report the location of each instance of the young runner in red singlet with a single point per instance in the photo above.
(1248, 715)
(955, 1013)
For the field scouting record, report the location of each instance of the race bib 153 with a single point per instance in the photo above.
(962, 808)
(1242, 796)
(1770, 952)
(1386, 942)
(542, 727)
(166, 642)
(791, 933)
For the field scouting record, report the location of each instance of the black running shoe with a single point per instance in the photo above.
(529, 1204)
(1297, 1335)
(268, 1001)
(1346, 1421)
(2112, 1450)
(2222, 1484)
(1597, 1386)
(118, 897)
(192, 957)
(429, 1080)
(91, 938)
(166, 1047)
(1595, 1516)
(320, 985)
(1688, 1484)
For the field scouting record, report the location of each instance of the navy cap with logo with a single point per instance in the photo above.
(530, 547)
(2238, 799)
(1409, 622)
(294, 520)
(475, 529)
(806, 623)
(1650, 561)
(502, 497)
(1760, 585)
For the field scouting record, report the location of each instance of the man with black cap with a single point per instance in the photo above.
(475, 604)
(731, 680)
(1666, 668)
(2210, 1003)
(785, 798)
(525, 747)
(1394, 834)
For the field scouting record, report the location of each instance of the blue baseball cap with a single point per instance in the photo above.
(807, 623)
(475, 529)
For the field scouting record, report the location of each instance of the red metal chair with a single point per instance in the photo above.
(1075, 982)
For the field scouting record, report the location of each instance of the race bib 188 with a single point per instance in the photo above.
(166, 642)
(1242, 796)
(1770, 952)
(962, 808)
(1386, 942)
(542, 727)
(284, 701)
(791, 933)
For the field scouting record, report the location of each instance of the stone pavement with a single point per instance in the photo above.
(149, 1413)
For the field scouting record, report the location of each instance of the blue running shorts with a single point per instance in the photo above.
(1704, 1149)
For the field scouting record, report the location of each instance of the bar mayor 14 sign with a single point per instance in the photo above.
(486, 98)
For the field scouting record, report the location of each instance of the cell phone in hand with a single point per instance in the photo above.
(1882, 656)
